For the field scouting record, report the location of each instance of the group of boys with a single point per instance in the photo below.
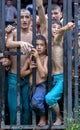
(40, 94)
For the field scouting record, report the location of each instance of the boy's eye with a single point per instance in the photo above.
(27, 17)
(55, 13)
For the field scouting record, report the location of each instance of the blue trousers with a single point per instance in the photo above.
(37, 102)
(56, 92)
(12, 99)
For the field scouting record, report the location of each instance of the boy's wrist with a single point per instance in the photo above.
(40, 6)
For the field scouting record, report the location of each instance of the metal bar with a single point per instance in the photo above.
(69, 55)
(65, 61)
(34, 44)
(27, 127)
(49, 54)
(76, 84)
(0, 64)
(18, 61)
(0, 22)
(8, 53)
(3, 69)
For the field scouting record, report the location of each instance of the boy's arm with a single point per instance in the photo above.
(43, 70)
(11, 44)
(42, 18)
(69, 26)
(25, 69)
(58, 39)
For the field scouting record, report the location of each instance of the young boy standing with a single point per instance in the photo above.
(40, 55)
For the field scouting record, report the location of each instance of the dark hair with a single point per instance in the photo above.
(41, 37)
(56, 22)
(55, 6)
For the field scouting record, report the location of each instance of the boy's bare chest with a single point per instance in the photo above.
(26, 37)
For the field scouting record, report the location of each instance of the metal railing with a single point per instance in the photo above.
(68, 111)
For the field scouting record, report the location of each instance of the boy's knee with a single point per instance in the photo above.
(33, 104)
(48, 99)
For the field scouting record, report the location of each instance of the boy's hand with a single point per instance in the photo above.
(5, 61)
(25, 46)
(39, 3)
(9, 29)
(34, 52)
(70, 25)
(32, 65)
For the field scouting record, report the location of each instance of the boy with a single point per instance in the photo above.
(57, 57)
(12, 44)
(40, 54)
(57, 68)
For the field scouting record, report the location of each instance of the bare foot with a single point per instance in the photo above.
(58, 122)
(42, 121)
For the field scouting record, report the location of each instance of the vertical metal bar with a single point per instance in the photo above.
(65, 61)
(0, 64)
(34, 44)
(18, 61)
(3, 69)
(49, 53)
(76, 61)
(69, 54)
(0, 23)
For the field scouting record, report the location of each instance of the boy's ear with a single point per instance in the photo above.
(61, 14)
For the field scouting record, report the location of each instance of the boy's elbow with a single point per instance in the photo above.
(43, 75)
(21, 75)
(7, 44)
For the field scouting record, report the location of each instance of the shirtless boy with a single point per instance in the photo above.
(40, 54)
(12, 44)
(57, 61)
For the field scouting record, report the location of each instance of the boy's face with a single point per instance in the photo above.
(40, 46)
(9, 2)
(55, 28)
(25, 19)
(56, 14)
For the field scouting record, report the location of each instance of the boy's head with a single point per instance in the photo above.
(56, 12)
(41, 37)
(56, 24)
(41, 44)
(25, 11)
(25, 18)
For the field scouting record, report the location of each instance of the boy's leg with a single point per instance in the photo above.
(58, 115)
(52, 99)
(26, 115)
(38, 103)
(12, 98)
